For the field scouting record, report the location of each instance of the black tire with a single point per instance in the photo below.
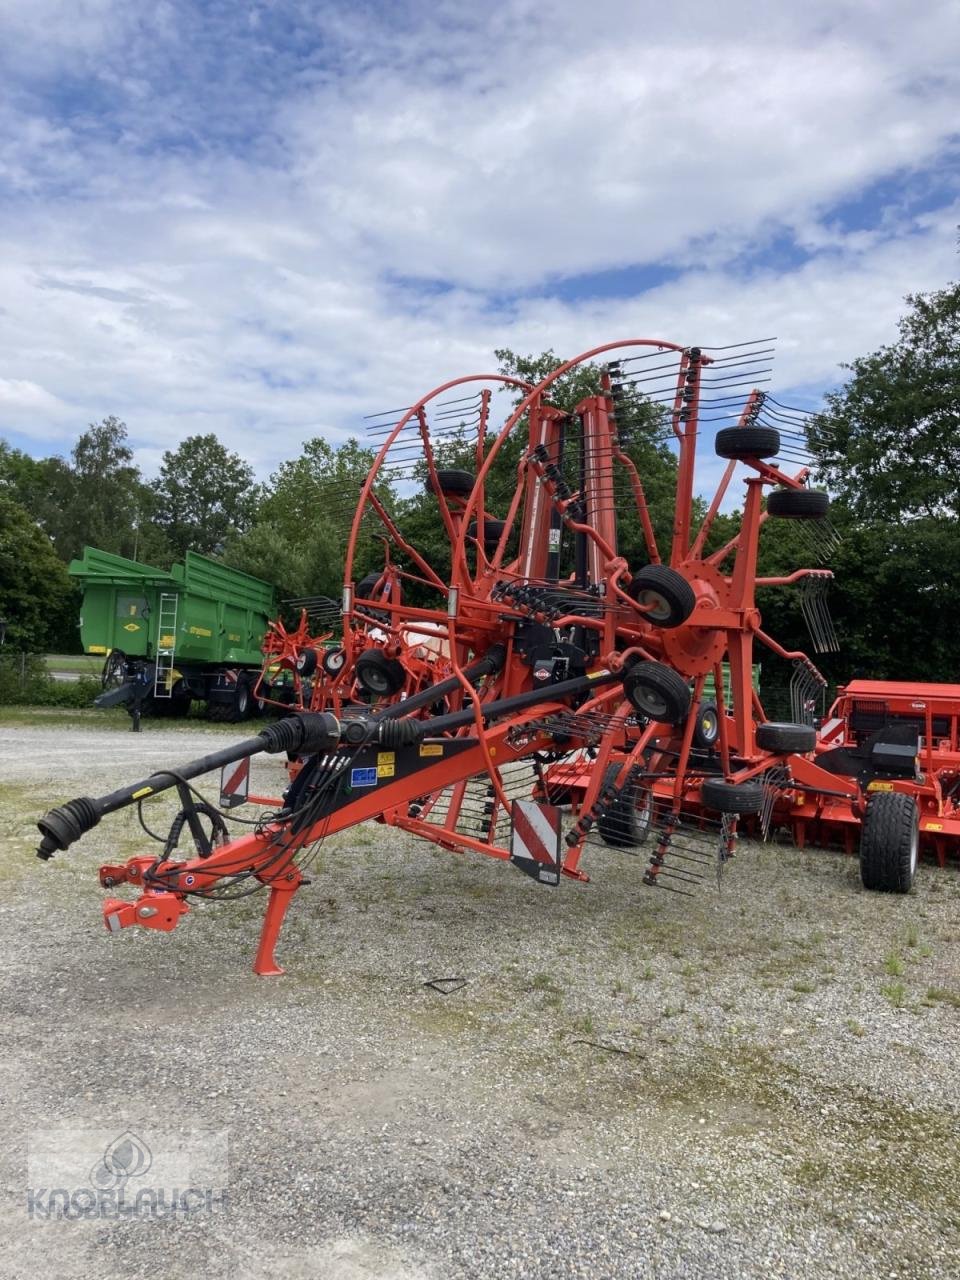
(658, 692)
(731, 797)
(706, 731)
(747, 442)
(114, 670)
(780, 736)
(220, 712)
(380, 675)
(798, 504)
(306, 663)
(243, 700)
(367, 584)
(627, 821)
(492, 529)
(889, 842)
(333, 661)
(670, 594)
(175, 707)
(458, 483)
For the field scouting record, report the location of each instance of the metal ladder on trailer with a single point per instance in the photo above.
(166, 646)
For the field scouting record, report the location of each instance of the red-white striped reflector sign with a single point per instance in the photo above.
(535, 840)
(234, 783)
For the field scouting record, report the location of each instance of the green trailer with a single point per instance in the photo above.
(171, 637)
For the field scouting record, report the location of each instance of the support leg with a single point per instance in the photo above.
(281, 895)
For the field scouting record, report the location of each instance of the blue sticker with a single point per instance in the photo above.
(363, 777)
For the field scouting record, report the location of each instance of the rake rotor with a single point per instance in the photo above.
(526, 689)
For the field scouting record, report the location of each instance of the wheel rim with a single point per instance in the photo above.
(642, 810)
(914, 851)
(375, 681)
(657, 606)
(651, 702)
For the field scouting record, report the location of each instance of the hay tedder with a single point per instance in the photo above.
(543, 698)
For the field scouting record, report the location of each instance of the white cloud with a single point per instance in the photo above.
(211, 238)
(37, 411)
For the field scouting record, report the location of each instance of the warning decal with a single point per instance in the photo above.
(535, 840)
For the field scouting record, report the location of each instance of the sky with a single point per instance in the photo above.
(267, 219)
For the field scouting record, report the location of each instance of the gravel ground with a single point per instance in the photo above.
(760, 1081)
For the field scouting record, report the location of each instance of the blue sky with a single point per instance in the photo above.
(268, 219)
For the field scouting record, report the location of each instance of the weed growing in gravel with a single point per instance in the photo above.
(893, 965)
(943, 995)
(896, 993)
(856, 1028)
(912, 935)
(543, 982)
(805, 987)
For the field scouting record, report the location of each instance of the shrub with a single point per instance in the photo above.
(25, 682)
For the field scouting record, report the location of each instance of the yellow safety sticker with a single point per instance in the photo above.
(595, 675)
(167, 642)
(386, 770)
(96, 648)
(431, 749)
(386, 757)
(131, 626)
(144, 791)
(880, 786)
(200, 631)
(933, 826)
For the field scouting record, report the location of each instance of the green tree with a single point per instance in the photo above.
(888, 443)
(888, 447)
(299, 536)
(24, 479)
(37, 599)
(203, 495)
(94, 498)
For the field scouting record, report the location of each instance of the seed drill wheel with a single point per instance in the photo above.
(889, 842)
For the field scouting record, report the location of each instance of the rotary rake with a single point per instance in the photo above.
(531, 693)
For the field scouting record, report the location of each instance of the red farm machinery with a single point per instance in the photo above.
(537, 697)
(900, 742)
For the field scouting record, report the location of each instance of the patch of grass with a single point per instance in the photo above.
(856, 1028)
(896, 993)
(943, 995)
(810, 1172)
(543, 982)
(912, 936)
(84, 663)
(585, 1025)
(893, 964)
